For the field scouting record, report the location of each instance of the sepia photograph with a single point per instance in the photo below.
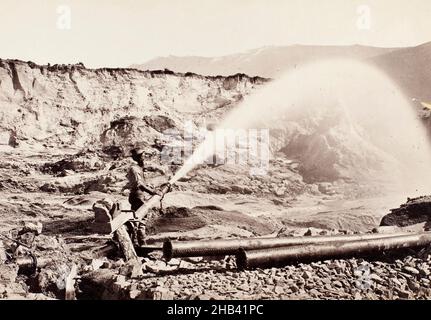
(215, 150)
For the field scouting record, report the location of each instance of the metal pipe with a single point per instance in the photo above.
(29, 264)
(176, 249)
(128, 215)
(152, 202)
(248, 259)
(144, 250)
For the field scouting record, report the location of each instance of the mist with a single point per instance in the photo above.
(341, 119)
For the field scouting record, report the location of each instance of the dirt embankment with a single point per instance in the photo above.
(71, 106)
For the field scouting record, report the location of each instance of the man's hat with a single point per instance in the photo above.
(137, 151)
(137, 154)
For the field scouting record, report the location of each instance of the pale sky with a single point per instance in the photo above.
(117, 33)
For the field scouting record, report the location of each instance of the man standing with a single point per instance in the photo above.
(139, 191)
(136, 181)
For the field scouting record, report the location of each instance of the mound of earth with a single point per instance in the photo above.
(414, 211)
(182, 219)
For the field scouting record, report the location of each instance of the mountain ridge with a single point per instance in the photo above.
(252, 62)
(410, 67)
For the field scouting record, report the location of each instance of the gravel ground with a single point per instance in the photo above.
(407, 278)
(388, 277)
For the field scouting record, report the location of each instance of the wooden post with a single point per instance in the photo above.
(125, 243)
(70, 284)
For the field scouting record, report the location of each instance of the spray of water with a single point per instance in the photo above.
(342, 119)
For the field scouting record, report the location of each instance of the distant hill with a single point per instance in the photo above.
(267, 62)
(409, 67)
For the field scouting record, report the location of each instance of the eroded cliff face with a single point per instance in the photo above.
(71, 106)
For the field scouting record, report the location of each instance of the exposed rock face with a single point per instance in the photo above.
(414, 211)
(69, 105)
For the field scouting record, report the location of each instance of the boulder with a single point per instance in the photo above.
(9, 138)
(159, 123)
(414, 211)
